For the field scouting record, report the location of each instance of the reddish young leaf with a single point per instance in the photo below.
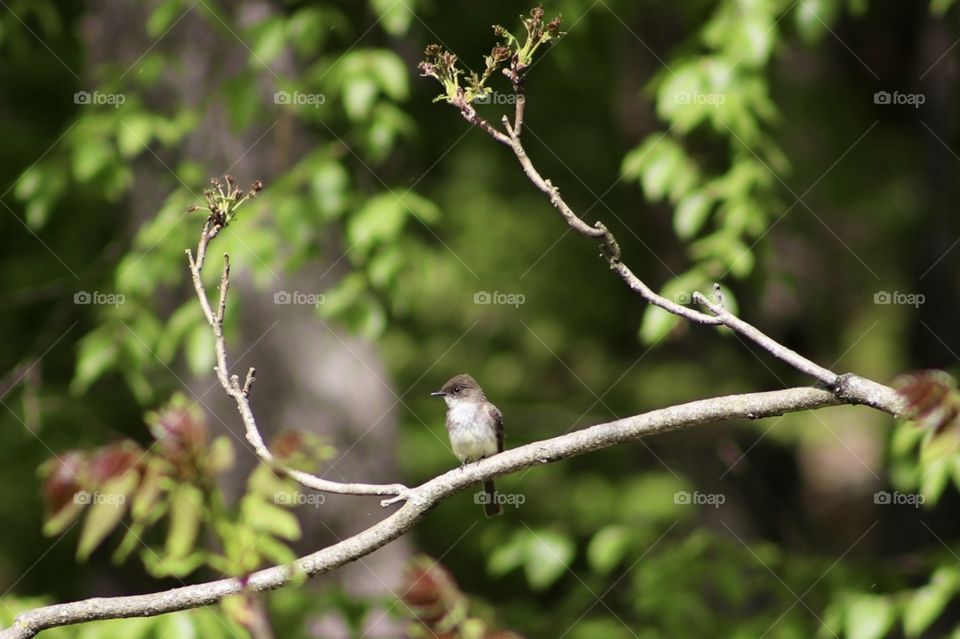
(931, 397)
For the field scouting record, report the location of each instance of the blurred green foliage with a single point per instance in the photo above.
(720, 140)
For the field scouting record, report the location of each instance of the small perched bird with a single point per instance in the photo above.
(475, 427)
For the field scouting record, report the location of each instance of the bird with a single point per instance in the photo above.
(475, 427)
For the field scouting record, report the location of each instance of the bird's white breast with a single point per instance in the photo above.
(472, 435)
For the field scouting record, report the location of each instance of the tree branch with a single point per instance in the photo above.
(610, 251)
(241, 393)
(420, 499)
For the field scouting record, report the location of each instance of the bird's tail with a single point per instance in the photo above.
(491, 507)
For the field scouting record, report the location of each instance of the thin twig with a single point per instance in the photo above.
(610, 251)
(770, 345)
(241, 394)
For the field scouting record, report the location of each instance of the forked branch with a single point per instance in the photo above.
(221, 206)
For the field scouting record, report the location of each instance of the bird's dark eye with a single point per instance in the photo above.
(457, 389)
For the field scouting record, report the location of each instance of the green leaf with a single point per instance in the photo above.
(385, 266)
(609, 628)
(343, 296)
(220, 455)
(657, 322)
(264, 482)
(728, 249)
(507, 555)
(40, 189)
(379, 220)
(421, 207)
(691, 214)
(91, 158)
(368, 318)
(277, 552)
(263, 516)
(132, 538)
(162, 17)
(30, 184)
(237, 539)
(390, 71)
(169, 131)
(936, 461)
(176, 625)
(180, 323)
(170, 566)
(548, 555)
(661, 170)
(607, 548)
(149, 492)
(634, 161)
(682, 99)
(134, 134)
(200, 350)
(108, 506)
(37, 213)
(386, 125)
(98, 352)
(394, 15)
(186, 511)
(940, 7)
(906, 437)
(308, 28)
(928, 602)
(758, 33)
(328, 185)
(813, 17)
(268, 38)
(651, 497)
(869, 617)
(62, 519)
(359, 94)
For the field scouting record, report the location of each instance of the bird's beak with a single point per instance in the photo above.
(438, 393)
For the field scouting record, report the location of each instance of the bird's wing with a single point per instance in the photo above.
(498, 418)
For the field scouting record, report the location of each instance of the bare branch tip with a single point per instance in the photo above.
(718, 295)
(248, 382)
(403, 494)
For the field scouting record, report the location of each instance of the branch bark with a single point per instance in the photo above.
(419, 500)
